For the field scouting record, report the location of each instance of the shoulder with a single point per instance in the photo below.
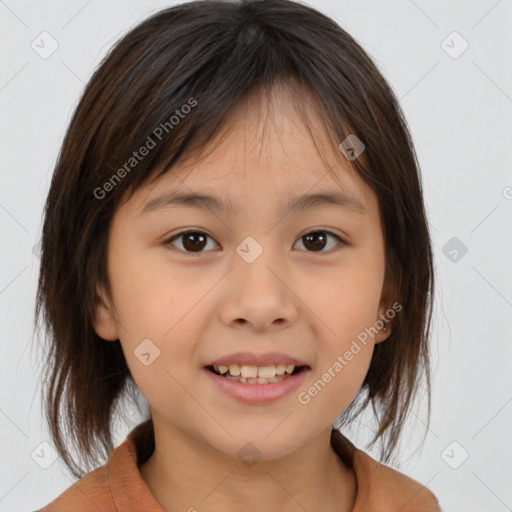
(397, 490)
(92, 492)
(380, 487)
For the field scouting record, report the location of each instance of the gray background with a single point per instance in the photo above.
(459, 108)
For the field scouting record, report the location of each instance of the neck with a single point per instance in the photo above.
(185, 475)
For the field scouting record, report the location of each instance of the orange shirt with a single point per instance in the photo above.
(118, 485)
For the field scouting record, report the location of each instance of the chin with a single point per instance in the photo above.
(257, 442)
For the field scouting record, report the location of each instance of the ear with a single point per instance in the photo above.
(104, 321)
(382, 319)
(383, 333)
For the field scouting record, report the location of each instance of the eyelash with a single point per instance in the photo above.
(169, 241)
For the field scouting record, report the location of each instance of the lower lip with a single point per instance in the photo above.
(258, 393)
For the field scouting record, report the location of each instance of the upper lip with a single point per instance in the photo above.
(252, 359)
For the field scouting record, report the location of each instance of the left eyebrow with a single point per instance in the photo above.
(299, 203)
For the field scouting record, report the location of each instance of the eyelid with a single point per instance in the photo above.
(168, 240)
(341, 240)
(321, 229)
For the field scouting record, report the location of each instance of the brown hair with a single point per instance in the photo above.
(217, 53)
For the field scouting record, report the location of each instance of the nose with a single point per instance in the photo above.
(258, 295)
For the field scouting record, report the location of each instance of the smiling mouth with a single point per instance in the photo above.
(256, 375)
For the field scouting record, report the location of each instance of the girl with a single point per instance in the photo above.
(235, 227)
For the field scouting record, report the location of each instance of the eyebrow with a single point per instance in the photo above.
(299, 203)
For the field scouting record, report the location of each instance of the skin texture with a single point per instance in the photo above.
(198, 306)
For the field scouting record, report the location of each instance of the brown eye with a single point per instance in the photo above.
(191, 241)
(316, 241)
(196, 241)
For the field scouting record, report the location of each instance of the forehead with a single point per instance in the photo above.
(266, 150)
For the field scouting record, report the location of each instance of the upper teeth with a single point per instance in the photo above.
(249, 371)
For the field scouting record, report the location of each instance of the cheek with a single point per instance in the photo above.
(349, 302)
(339, 377)
(159, 301)
(348, 307)
(150, 294)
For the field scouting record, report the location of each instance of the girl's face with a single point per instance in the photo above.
(250, 281)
